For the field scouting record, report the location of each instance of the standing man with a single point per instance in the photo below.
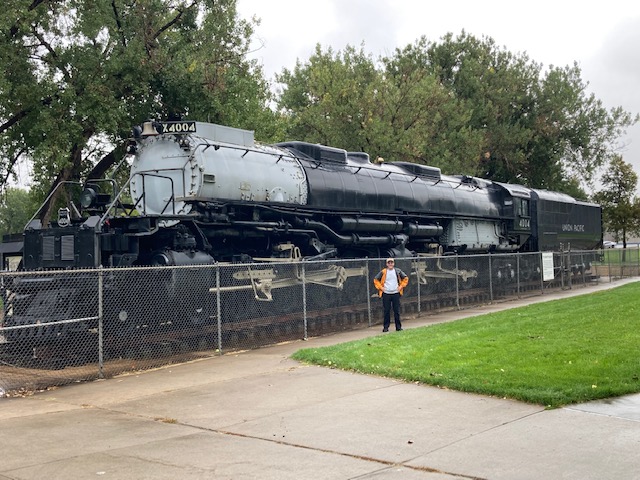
(390, 283)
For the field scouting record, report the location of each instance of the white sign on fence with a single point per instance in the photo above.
(547, 266)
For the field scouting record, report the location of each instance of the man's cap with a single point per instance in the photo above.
(390, 260)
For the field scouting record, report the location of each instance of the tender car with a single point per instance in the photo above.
(609, 244)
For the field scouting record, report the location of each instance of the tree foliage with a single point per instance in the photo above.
(462, 104)
(495, 86)
(16, 209)
(391, 110)
(330, 98)
(76, 75)
(419, 121)
(620, 206)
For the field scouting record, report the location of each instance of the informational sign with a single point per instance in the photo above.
(547, 266)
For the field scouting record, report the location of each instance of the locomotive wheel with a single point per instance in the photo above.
(446, 285)
(526, 274)
(467, 284)
(429, 288)
(319, 298)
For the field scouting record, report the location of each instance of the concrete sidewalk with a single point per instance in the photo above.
(260, 415)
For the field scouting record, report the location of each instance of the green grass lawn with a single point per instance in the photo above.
(553, 353)
(615, 256)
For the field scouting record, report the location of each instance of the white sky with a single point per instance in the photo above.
(603, 37)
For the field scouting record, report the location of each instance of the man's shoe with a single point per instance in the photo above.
(398, 329)
(385, 330)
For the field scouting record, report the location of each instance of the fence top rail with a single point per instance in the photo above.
(287, 262)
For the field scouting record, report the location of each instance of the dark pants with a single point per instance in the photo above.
(391, 300)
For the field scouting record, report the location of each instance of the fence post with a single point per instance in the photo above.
(304, 302)
(366, 281)
(563, 268)
(490, 280)
(518, 273)
(570, 269)
(457, 283)
(100, 323)
(416, 265)
(218, 308)
(541, 268)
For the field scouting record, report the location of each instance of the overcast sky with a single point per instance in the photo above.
(603, 37)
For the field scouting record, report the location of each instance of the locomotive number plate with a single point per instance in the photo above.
(179, 127)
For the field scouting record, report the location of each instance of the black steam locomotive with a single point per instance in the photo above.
(200, 193)
(204, 193)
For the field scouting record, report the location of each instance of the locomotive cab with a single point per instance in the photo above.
(516, 210)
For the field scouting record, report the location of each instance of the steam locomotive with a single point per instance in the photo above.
(204, 193)
(200, 193)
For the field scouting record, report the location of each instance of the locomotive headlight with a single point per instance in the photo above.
(87, 198)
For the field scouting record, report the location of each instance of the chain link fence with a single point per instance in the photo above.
(66, 326)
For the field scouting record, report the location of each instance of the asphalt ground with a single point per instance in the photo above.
(260, 415)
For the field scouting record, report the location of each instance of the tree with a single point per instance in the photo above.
(574, 134)
(76, 75)
(541, 129)
(329, 99)
(620, 208)
(391, 111)
(462, 104)
(494, 85)
(16, 209)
